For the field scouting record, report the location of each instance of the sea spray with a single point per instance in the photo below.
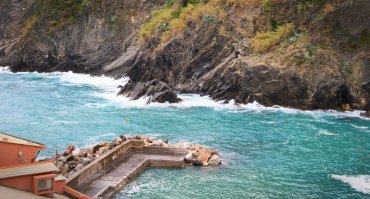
(360, 183)
(268, 151)
(109, 89)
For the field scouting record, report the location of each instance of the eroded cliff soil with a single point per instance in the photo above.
(320, 61)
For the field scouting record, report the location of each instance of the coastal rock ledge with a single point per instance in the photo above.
(156, 90)
(74, 159)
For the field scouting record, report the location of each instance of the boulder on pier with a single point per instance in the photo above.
(74, 159)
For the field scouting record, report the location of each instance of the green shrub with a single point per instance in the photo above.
(58, 13)
(266, 5)
(159, 18)
(365, 38)
(263, 41)
(170, 3)
(28, 25)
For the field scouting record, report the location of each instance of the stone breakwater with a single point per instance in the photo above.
(74, 159)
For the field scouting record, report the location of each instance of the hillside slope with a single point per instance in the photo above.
(297, 53)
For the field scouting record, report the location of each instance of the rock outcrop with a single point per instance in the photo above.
(155, 90)
(212, 57)
(366, 114)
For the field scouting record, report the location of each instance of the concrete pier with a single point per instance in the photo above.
(107, 175)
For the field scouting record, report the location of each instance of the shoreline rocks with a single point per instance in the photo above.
(366, 114)
(156, 90)
(74, 159)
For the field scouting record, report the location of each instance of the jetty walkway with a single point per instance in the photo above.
(107, 175)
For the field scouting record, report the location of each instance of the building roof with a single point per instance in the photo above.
(16, 140)
(27, 169)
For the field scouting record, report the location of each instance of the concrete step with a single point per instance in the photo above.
(113, 180)
(117, 176)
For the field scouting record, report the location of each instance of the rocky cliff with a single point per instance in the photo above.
(295, 53)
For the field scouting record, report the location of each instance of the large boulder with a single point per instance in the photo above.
(97, 147)
(204, 155)
(117, 141)
(157, 143)
(194, 161)
(156, 90)
(215, 160)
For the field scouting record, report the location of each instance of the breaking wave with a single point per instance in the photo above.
(108, 90)
(360, 183)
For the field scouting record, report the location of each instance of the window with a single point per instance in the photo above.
(43, 184)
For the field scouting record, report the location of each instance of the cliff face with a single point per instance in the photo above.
(316, 54)
(82, 36)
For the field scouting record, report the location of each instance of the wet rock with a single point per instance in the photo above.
(139, 137)
(128, 136)
(79, 167)
(86, 152)
(204, 155)
(211, 151)
(76, 152)
(151, 139)
(85, 161)
(117, 141)
(70, 158)
(98, 146)
(123, 138)
(215, 160)
(72, 164)
(366, 114)
(67, 153)
(194, 161)
(109, 146)
(198, 147)
(102, 150)
(62, 158)
(346, 107)
(157, 143)
(195, 153)
(156, 90)
(188, 156)
(191, 147)
(69, 150)
(90, 156)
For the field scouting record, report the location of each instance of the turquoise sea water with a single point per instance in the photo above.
(267, 152)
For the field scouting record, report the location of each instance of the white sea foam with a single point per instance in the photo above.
(108, 90)
(59, 122)
(360, 183)
(268, 122)
(4, 69)
(325, 132)
(324, 121)
(360, 127)
(89, 142)
(107, 83)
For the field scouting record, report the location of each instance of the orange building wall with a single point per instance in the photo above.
(9, 153)
(22, 182)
